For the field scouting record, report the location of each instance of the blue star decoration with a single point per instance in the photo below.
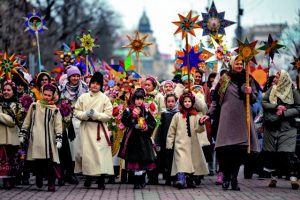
(214, 22)
(35, 22)
(194, 56)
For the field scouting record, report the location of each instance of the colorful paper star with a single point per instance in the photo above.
(8, 66)
(296, 63)
(271, 47)
(194, 58)
(217, 37)
(220, 53)
(87, 42)
(214, 22)
(137, 44)
(186, 24)
(34, 22)
(246, 51)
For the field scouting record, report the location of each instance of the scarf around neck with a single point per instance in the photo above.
(73, 92)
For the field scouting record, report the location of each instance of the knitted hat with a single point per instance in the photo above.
(97, 77)
(73, 70)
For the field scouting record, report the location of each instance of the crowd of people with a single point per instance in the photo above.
(136, 130)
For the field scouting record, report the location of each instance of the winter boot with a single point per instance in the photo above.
(235, 185)
(294, 183)
(190, 181)
(181, 180)
(101, 183)
(88, 182)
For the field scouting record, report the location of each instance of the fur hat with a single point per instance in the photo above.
(97, 77)
(72, 70)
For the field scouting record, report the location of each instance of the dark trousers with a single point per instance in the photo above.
(230, 159)
(44, 168)
(286, 163)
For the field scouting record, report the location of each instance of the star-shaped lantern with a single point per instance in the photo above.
(34, 22)
(196, 58)
(271, 47)
(8, 66)
(246, 51)
(137, 44)
(296, 63)
(87, 42)
(186, 24)
(217, 37)
(220, 53)
(214, 22)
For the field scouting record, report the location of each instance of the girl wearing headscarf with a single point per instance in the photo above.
(281, 105)
(232, 135)
(8, 134)
(188, 158)
(136, 147)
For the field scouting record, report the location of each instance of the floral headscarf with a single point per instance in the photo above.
(283, 89)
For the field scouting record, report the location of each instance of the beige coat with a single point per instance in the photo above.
(188, 155)
(44, 123)
(8, 128)
(93, 157)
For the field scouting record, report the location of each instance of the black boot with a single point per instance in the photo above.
(190, 181)
(235, 185)
(88, 182)
(101, 183)
(143, 180)
(39, 181)
(226, 183)
(137, 182)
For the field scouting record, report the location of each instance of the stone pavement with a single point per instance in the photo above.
(253, 189)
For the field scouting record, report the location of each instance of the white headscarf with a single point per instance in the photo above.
(283, 89)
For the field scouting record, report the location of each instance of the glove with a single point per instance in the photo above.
(21, 140)
(58, 145)
(90, 113)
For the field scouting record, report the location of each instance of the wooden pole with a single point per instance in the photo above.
(188, 60)
(39, 51)
(248, 121)
(86, 64)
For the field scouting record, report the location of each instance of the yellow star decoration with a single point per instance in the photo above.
(186, 24)
(137, 44)
(246, 51)
(8, 66)
(87, 42)
(218, 38)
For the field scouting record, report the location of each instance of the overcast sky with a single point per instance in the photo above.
(162, 12)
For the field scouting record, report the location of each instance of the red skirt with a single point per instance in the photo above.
(140, 165)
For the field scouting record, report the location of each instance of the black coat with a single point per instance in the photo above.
(164, 157)
(136, 145)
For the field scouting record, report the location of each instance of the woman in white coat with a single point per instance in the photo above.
(93, 149)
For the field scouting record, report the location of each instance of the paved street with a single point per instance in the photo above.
(250, 190)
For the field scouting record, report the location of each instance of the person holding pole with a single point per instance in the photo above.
(232, 137)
